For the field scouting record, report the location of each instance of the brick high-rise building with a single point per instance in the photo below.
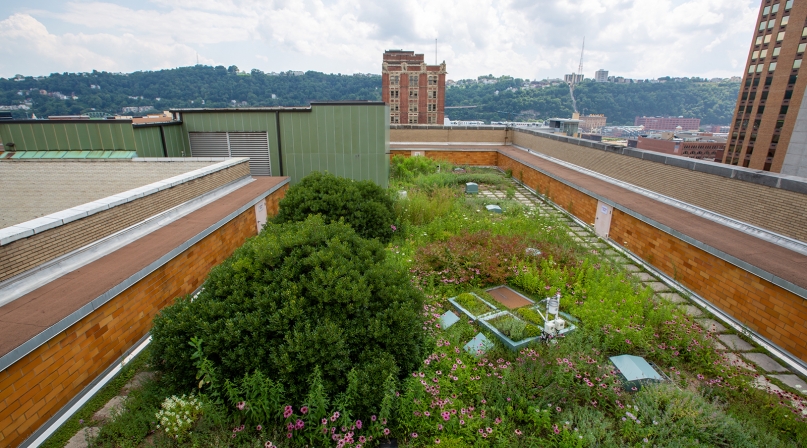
(769, 130)
(414, 90)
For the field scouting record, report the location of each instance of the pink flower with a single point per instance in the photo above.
(518, 432)
(489, 429)
(240, 405)
(362, 439)
(358, 424)
(324, 421)
(556, 429)
(373, 418)
(386, 431)
(268, 445)
(259, 427)
(288, 436)
(436, 441)
(304, 409)
(300, 424)
(414, 435)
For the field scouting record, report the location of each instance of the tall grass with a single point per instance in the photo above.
(422, 207)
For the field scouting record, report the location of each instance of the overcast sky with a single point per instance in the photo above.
(532, 39)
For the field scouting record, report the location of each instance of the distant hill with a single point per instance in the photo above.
(713, 103)
(206, 86)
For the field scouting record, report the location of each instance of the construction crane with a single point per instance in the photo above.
(577, 75)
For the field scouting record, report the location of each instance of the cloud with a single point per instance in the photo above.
(524, 38)
(33, 49)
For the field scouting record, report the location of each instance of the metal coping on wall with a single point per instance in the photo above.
(749, 229)
(99, 381)
(43, 121)
(280, 108)
(32, 344)
(784, 284)
(154, 125)
(766, 178)
(793, 361)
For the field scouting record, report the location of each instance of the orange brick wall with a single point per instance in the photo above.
(34, 388)
(768, 309)
(477, 158)
(573, 201)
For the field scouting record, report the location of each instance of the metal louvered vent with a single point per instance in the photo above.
(209, 144)
(254, 145)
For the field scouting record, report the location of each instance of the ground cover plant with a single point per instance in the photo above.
(261, 382)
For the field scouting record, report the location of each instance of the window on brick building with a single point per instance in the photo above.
(759, 40)
(760, 67)
(413, 93)
(751, 68)
(394, 119)
(802, 47)
(804, 32)
(776, 51)
(775, 8)
(394, 80)
(797, 63)
(431, 107)
(393, 93)
(780, 36)
(762, 26)
(432, 80)
(413, 80)
(395, 107)
(767, 39)
(432, 94)
(771, 23)
(763, 54)
(785, 19)
(765, 95)
(772, 66)
(431, 119)
(754, 55)
(788, 5)
(413, 107)
(766, 10)
(782, 110)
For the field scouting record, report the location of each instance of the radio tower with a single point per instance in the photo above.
(577, 75)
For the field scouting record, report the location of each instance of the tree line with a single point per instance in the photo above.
(506, 99)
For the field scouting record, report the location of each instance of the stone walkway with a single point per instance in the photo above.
(85, 435)
(737, 351)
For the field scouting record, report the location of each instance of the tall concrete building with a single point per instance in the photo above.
(601, 75)
(769, 130)
(414, 90)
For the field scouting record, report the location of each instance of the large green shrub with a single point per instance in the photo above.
(364, 205)
(297, 297)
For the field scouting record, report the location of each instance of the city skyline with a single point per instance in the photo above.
(629, 38)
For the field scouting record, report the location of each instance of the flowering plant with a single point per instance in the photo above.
(178, 415)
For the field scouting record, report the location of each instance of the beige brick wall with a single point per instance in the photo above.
(24, 254)
(777, 210)
(447, 134)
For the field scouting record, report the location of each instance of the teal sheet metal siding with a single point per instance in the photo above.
(235, 121)
(346, 140)
(66, 136)
(176, 141)
(149, 142)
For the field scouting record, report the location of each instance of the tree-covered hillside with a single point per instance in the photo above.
(713, 103)
(205, 86)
